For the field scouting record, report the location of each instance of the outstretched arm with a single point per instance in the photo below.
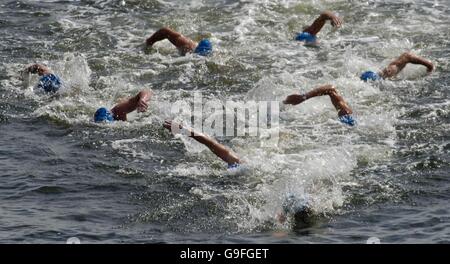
(220, 150)
(183, 43)
(399, 63)
(318, 24)
(138, 102)
(38, 69)
(337, 100)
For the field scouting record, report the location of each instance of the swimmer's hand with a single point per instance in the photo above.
(147, 46)
(149, 42)
(314, 44)
(24, 73)
(334, 20)
(32, 68)
(294, 99)
(412, 58)
(38, 69)
(176, 128)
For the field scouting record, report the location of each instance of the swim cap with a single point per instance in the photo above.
(348, 120)
(234, 166)
(50, 83)
(370, 75)
(103, 115)
(296, 204)
(306, 37)
(204, 47)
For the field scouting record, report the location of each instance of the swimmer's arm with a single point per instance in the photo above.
(138, 102)
(294, 99)
(159, 35)
(178, 40)
(318, 24)
(220, 150)
(38, 69)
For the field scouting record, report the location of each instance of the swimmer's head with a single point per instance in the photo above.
(204, 48)
(308, 38)
(50, 83)
(389, 71)
(103, 115)
(370, 76)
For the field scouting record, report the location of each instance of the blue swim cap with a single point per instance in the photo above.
(204, 47)
(370, 75)
(50, 83)
(306, 37)
(348, 120)
(234, 166)
(103, 115)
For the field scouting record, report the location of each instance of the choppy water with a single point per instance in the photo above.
(63, 176)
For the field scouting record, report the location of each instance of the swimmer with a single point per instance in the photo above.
(397, 66)
(220, 150)
(49, 82)
(183, 44)
(344, 111)
(120, 111)
(309, 33)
